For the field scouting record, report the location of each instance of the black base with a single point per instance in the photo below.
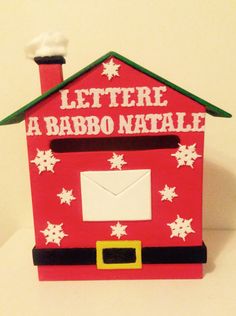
(150, 255)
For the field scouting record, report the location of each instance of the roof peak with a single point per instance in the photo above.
(19, 115)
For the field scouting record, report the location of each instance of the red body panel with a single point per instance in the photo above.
(155, 232)
(160, 271)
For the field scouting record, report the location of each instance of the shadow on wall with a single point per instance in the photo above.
(219, 197)
(215, 242)
(8, 230)
(15, 200)
(219, 209)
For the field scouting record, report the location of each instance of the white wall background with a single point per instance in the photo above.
(189, 42)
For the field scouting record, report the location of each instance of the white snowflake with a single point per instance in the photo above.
(118, 230)
(110, 69)
(186, 155)
(45, 160)
(117, 161)
(181, 227)
(168, 193)
(53, 233)
(66, 196)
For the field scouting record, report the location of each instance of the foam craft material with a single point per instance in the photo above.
(116, 167)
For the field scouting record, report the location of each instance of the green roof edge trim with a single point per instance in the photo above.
(19, 115)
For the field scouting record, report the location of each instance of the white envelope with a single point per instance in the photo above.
(116, 195)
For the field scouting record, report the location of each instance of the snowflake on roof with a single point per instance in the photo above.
(44, 160)
(118, 230)
(110, 69)
(181, 227)
(186, 155)
(66, 196)
(53, 233)
(117, 161)
(168, 193)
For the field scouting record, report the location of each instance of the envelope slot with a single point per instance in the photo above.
(116, 195)
(116, 188)
(114, 143)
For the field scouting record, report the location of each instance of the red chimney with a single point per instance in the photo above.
(50, 71)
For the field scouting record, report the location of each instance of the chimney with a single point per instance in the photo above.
(48, 51)
(50, 71)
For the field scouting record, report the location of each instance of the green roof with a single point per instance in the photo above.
(19, 115)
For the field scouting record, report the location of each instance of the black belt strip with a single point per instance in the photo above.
(150, 255)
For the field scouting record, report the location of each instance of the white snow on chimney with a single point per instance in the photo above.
(47, 44)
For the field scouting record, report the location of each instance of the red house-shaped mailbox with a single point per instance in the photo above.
(116, 168)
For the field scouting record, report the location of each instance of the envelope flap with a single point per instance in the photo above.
(116, 181)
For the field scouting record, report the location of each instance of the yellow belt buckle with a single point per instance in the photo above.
(125, 254)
